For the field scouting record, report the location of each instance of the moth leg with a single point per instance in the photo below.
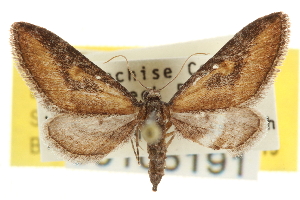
(170, 134)
(168, 126)
(137, 145)
(171, 139)
(136, 156)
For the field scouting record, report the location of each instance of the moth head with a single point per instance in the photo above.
(151, 94)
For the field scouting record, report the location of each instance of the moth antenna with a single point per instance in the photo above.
(181, 69)
(128, 67)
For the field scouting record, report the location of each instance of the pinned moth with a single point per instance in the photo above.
(95, 114)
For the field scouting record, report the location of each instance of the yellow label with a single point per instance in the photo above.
(286, 85)
(25, 142)
(25, 149)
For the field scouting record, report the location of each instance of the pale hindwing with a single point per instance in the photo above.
(236, 130)
(81, 139)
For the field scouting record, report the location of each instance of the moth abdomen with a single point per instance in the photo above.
(157, 155)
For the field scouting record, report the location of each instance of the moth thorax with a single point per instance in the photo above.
(151, 131)
(151, 94)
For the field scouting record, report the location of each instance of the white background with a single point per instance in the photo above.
(131, 23)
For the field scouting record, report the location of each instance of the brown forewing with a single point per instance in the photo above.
(63, 78)
(211, 107)
(239, 72)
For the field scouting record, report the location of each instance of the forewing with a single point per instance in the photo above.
(237, 75)
(83, 138)
(235, 130)
(62, 77)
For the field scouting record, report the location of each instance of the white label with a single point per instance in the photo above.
(157, 73)
(219, 165)
(191, 158)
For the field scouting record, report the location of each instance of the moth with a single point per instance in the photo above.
(96, 115)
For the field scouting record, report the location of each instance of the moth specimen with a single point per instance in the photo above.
(96, 114)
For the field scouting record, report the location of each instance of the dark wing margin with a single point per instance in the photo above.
(238, 74)
(86, 138)
(235, 130)
(62, 78)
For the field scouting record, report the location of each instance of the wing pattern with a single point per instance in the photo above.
(236, 77)
(97, 114)
(85, 138)
(211, 108)
(236, 129)
(238, 74)
(62, 78)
